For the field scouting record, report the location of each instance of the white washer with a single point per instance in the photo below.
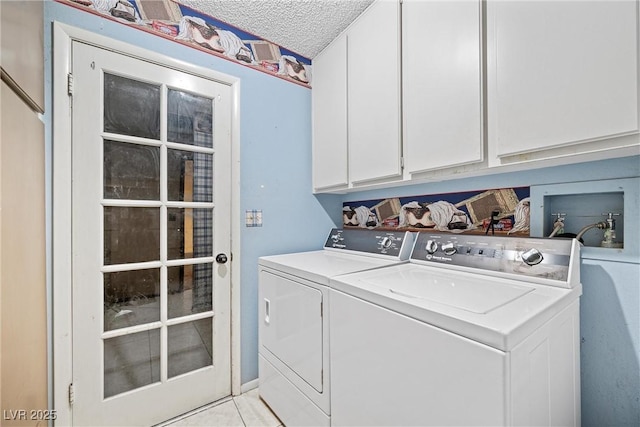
(475, 330)
(294, 318)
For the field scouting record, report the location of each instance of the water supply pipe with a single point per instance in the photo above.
(558, 225)
(602, 225)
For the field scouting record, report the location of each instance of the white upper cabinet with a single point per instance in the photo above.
(373, 69)
(560, 74)
(329, 100)
(443, 88)
(442, 84)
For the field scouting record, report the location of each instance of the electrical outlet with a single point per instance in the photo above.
(253, 218)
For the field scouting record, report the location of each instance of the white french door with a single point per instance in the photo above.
(151, 157)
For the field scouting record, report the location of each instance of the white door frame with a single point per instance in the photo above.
(63, 36)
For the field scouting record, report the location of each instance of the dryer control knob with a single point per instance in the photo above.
(449, 248)
(386, 242)
(532, 257)
(432, 246)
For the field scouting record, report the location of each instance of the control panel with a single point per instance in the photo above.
(533, 257)
(395, 244)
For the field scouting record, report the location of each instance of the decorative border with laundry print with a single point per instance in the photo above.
(502, 211)
(171, 20)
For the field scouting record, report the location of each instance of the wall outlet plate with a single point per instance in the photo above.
(253, 218)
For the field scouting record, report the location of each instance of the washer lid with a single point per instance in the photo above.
(456, 291)
(491, 310)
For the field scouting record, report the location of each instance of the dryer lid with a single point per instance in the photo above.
(319, 266)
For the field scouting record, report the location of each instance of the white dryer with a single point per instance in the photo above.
(475, 330)
(294, 304)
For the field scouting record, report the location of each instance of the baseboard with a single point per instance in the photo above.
(249, 386)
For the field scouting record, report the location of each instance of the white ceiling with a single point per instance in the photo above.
(302, 26)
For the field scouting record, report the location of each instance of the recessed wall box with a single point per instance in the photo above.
(586, 207)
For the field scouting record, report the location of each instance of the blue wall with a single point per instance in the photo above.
(275, 160)
(610, 303)
(610, 342)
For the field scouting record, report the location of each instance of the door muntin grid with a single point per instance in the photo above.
(158, 216)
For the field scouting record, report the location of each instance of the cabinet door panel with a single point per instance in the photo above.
(23, 307)
(442, 93)
(561, 73)
(329, 97)
(374, 93)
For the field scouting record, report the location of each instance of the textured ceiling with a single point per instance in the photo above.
(302, 26)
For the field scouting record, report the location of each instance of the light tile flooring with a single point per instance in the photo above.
(246, 410)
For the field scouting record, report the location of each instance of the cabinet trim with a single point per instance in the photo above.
(24, 96)
(627, 144)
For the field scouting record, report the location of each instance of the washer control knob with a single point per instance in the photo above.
(449, 248)
(386, 242)
(432, 246)
(335, 238)
(532, 257)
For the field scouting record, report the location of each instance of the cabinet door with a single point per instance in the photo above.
(442, 93)
(374, 93)
(329, 97)
(23, 307)
(22, 53)
(560, 73)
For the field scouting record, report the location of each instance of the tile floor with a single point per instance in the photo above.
(246, 410)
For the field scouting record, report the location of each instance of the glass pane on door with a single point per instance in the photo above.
(190, 176)
(189, 233)
(131, 234)
(190, 289)
(131, 171)
(131, 361)
(131, 107)
(190, 346)
(131, 298)
(190, 119)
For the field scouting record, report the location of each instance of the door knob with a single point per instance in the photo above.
(221, 258)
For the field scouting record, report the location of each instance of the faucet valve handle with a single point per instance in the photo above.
(611, 222)
(610, 215)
